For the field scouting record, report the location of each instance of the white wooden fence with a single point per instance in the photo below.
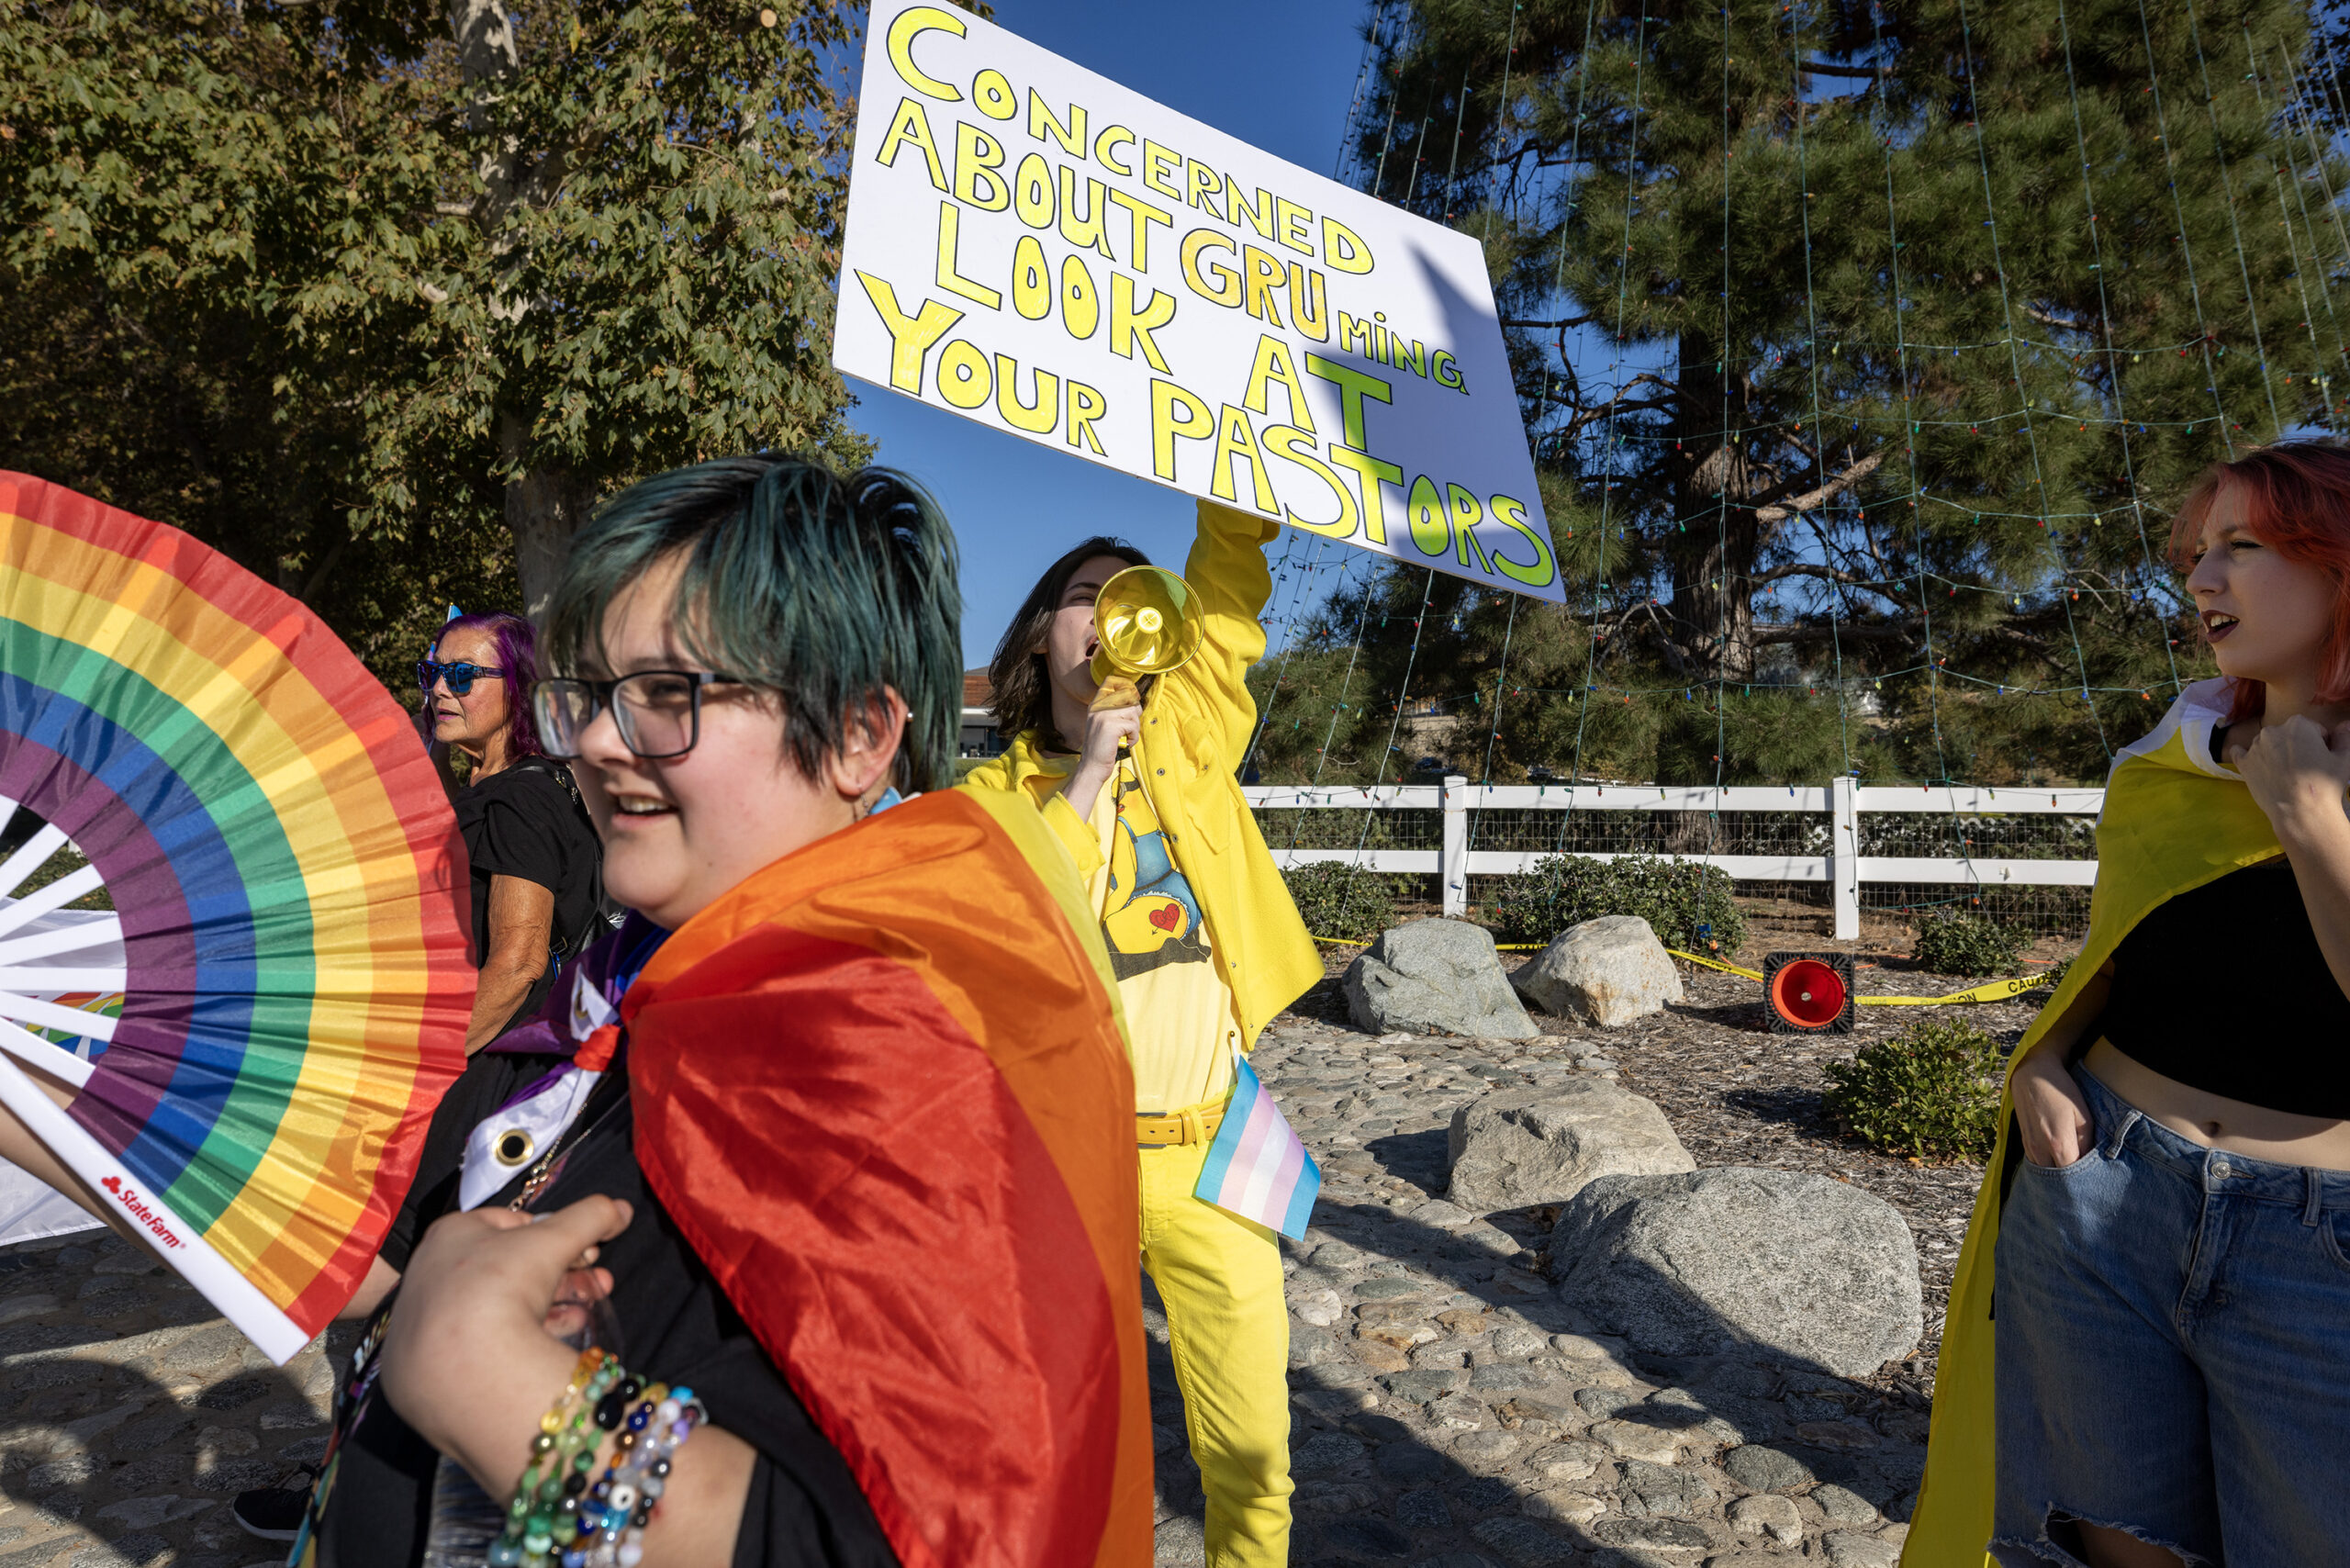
(1842, 799)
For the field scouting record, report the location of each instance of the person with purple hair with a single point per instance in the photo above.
(534, 851)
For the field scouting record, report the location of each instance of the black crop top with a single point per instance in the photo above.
(2182, 980)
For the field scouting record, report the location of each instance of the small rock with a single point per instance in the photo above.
(1844, 1507)
(1761, 1469)
(1420, 1385)
(1460, 1413)
(1437, 977)
(1423, 1510)
(1517, 1148)
(1487, 1448)
(1465, 1321)
(1765, 1514)
(1848, 1436)
(1846, 1550)
(1517, 1339)
(1606, 971)
(1322, 1309)
(1436, 1212)
(1412, 1465)
(70, 1471)
(1179, 1542)
(146, 1513)
(1560, 1507)
(1504, 1379)
(1388, 1289)
(17, 1306)
(1601, 1403)
(1663, 1490)
(1668, 1535)
(1325, 1450)
(1566, 1461)
(1637, 1439)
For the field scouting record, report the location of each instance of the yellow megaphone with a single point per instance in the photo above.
(1146, 620)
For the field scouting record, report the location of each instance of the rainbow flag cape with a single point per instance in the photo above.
(2173, 820)
(1257, 1167)
(285, 938)
(882, 1090)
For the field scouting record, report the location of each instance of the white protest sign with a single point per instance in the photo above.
(1041, 250)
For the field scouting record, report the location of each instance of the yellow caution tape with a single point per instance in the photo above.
(1997, 990)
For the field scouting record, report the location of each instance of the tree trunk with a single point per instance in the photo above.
(1713, 553)
(545, 506)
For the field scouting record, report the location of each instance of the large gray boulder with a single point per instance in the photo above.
(1813, 1270)
(1435, 976)
(1606, 971)
(1517, 1148)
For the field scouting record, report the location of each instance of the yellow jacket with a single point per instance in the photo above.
(2173, 820)
(1196, 726)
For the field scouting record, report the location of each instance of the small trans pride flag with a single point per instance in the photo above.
(1258, 1168)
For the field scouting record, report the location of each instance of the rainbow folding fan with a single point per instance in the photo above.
(288, 941)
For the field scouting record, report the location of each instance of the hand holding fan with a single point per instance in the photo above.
(287, 876)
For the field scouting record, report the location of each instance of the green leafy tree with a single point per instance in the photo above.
(352, 287)
(1865, 349)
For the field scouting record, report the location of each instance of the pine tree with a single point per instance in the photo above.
(1864, 351)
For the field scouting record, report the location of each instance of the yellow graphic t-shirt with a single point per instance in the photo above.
(1179, 1013)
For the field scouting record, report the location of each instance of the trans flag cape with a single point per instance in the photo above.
(881, 1088)
(2173, 820)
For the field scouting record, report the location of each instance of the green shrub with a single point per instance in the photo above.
(1675, 897)
(1931, 1092)
(1345, 903)
(1968, 944)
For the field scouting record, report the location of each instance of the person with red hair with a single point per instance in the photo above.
(2164, 1228)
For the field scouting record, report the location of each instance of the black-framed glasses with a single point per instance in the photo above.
(657, 712)
(460, 675)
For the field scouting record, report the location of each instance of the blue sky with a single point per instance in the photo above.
(1277, 75)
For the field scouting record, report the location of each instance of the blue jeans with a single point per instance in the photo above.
(2173, 1333)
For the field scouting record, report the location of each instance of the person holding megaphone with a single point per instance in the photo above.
(1125, 689)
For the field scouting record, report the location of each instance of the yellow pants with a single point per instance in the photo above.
(1220, 1277)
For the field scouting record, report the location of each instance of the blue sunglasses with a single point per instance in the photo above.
(460, 677)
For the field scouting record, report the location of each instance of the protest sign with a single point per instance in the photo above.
(1039, 249)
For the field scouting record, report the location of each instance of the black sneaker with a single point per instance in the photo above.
(274, 1513)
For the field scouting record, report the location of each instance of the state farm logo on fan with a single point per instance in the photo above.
(129, 1199)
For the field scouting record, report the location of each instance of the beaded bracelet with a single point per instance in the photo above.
(620, 1504)
(543, 1514)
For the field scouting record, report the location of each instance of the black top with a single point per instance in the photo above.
(675, 1326)
(2191, 1025)
(523, 822)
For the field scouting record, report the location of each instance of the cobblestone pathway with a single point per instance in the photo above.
(1450, 1410)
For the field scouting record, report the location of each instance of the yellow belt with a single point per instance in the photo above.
(1177, 1128)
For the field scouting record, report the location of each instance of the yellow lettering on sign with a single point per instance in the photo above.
(1509, 511)
(1309, 312)
(1083, 228)
(1423, 509)
(977, 155)
(1236, 439)
(1225, 288)
(1271, 365)
(1294, 220)
(993, 96)
(911, 25)
(1085, 406)
(1354, 337)
(1466, 515)
(1166, 423)
(1032, 280)
(1447, 370)
(950, 278)
(963, 378)
(1297, 446)
(1114, 136)
(911, 128)
(1140, 216)
(1353, 387)
(910, 336)
(1032, 192)
(1130, 327)
(1162, 169)
(1259, 213)
(1267, 273)
(1343, 250)
(1205, 185)
(1042, 123)
(1036, 418)
(1080, 301)
(1370, 471)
